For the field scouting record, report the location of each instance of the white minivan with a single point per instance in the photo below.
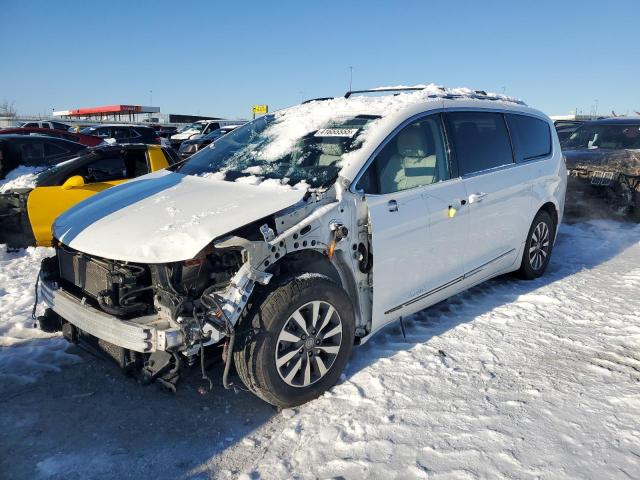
(304, 232)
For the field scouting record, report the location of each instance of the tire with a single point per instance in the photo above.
(536, 254)
(271, 362)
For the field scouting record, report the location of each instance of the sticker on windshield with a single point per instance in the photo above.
(336, 132)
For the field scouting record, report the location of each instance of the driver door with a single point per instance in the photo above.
(419, 223)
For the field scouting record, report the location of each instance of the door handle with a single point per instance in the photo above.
(393, 206)
(477, 197)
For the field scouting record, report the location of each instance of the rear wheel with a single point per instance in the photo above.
(295, 340)
(538, 247)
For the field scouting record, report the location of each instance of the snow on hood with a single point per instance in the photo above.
(165, 216)
(20, 177)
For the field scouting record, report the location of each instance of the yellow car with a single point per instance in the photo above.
(27, 213)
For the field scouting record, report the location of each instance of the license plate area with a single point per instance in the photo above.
(602, 179)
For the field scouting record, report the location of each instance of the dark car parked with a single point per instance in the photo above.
(46, 124)
(34, 151)
(189, 147)
(88, 140)
(603, 161)
(124, 133)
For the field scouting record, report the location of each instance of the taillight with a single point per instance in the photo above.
(158, 140)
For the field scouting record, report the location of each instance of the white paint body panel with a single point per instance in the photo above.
(165, 217)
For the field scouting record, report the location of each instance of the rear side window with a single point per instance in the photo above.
(106, 168)
(481, 140)
(32, 153)
(51, 149)
(531, 137)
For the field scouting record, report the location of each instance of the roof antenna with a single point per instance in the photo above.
(350, 77)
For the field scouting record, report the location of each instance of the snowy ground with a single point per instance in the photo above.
(512, 379)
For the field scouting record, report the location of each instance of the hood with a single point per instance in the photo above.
(166, 216)
(624, 161)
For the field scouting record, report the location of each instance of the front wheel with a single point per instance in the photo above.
(538, 247)
(295, 340)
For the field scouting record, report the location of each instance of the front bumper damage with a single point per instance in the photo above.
(144, 334)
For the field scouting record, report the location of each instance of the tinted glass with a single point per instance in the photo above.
(481, 140)
(53, 149)
(32, 152)
(606, 136)
(120, 133)
(415, 157)
(136, 163)
(531, 137)
(108, 168)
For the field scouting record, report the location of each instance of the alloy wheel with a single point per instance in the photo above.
(539, 246)
(308, 344)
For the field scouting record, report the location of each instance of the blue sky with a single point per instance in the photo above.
(219, 58)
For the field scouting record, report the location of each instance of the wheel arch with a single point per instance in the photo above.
(314, 261)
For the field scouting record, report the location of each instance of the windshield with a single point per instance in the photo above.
(247, 153)
(612, 137)
(192, 126)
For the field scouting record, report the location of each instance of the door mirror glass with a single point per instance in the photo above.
(73, 182)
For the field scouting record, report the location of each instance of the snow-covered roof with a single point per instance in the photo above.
(293, 123)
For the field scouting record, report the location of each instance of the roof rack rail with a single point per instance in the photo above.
(320, 99)
(390, 89)
(477, 94)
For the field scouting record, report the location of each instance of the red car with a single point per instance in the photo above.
(88, 140)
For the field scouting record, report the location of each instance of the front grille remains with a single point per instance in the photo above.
(83, 272)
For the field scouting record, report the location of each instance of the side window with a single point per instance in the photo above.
(32, 153)
(415, 157)
(102, 132)
(481, 140)
(31, 125)
(531, 137)
(51, 149)
(108, 168)
(136, 163)
(121, 132)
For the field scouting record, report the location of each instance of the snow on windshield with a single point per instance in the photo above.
(20, 177)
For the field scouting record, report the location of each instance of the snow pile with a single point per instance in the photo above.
(20, 177)
(25, 351)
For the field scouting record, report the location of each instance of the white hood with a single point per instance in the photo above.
(166, 217)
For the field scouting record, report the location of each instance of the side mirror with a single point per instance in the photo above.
(73, 182)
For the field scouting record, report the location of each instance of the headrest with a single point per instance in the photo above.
(416, 141)
(331, 147)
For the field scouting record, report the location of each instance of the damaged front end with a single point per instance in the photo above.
(154, 318)
(603, 183)
(16, 229)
